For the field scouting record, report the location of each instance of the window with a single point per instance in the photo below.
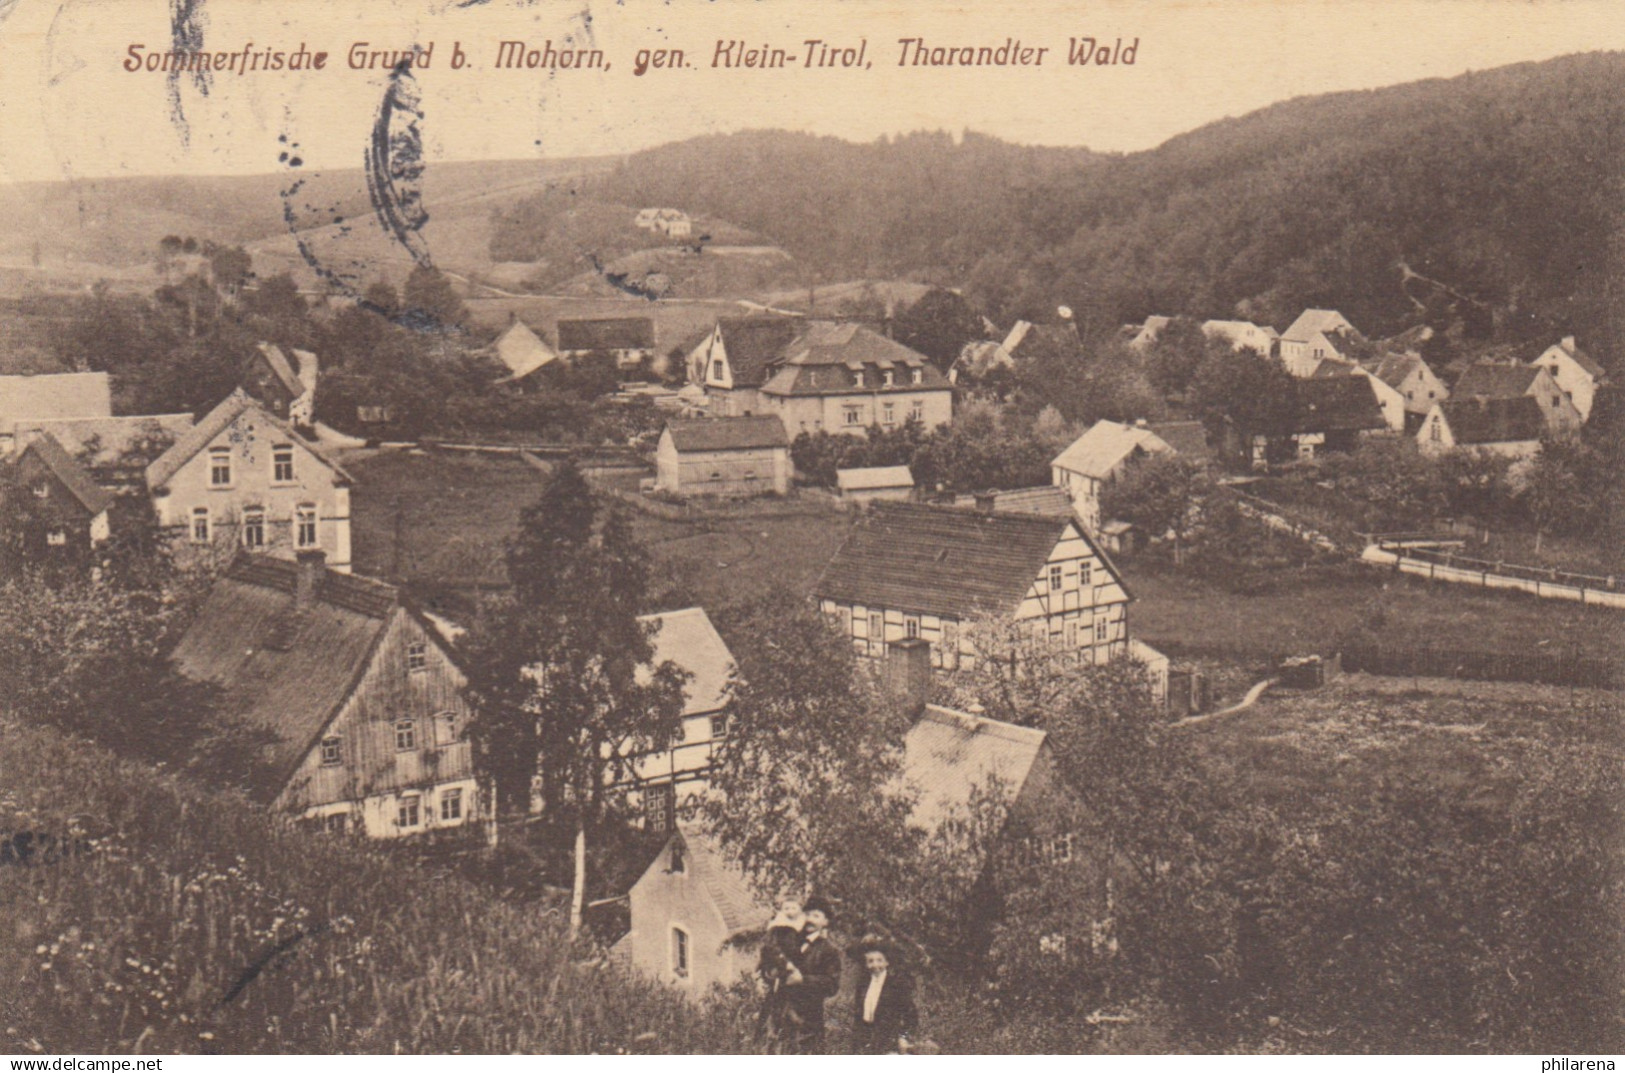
(918, 376)
(451, 804)
(889, 414)
(719, 726)
(336, 823)
(1102, 628)
(406, 735)
(332, 752)
(219, 467)
(447, 722)
(1058, 850)
(857, 377)
(417, 656)
(888, 378)
(852, 415)
(1055, 578)
(200, 525)
(679, 952)
(253, 528)
(56, 538)
(282, 464)
(42, 490)
(408, 815)
(1433, 431)
(659, 807)
(304, 527)
(911, 626)
(917, 412)
(1071, 631)
(1084, 574)
(877, 626)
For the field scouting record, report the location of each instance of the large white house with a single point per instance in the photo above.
(1574, 371)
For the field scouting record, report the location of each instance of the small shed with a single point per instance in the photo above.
(868, 483)
(726, 456)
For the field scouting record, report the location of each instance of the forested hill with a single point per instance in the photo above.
(1503, 189)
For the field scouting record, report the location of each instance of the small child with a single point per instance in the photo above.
(781, 949)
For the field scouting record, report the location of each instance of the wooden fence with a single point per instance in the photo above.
(1548, 584)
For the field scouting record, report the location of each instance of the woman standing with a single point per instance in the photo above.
(883, 1014)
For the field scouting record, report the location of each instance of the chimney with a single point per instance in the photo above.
(1568, 343)
(312, 565)
(907, 672)
(987, 502)
(1140, 422)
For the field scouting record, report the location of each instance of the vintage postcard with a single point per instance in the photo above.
(779, 527)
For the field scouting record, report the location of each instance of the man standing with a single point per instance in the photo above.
(808, 985)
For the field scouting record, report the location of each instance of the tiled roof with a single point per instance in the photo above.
(741, 909)
(949, 755)
(53, 395)
(607, 333)
(1496, 381)
(217, 421)
(940, 560)
(111, 436)
(1336, 404)
(1394, 369)
(292, 685)
(1586, 361)
(70, 473)
(1481, 420)
(688, 639)
(280, 368)
(754, 343)
(1107, 445)
(866, 478)
(1046, 500)
(1187, 438)
(728, 433)
(826, 357)
(522, 351)
(1311, 321)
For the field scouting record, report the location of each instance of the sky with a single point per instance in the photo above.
(70, 109)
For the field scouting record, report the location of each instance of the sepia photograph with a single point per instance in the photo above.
(784, 528)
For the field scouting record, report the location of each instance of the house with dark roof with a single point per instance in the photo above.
(1316, 335)
(354, 694)
(1046, 500)
(50, 396)
(725, 456)
(629, 340)
(115, 451)
(731, 362)
(1389, 400)
(916, 571)
(243, 477)
(846, 377)
(1504, 426)
(1575, 372)
(1417, 384)
(1327, 414)
(1505, 380)
(276, 384)
(57, 510)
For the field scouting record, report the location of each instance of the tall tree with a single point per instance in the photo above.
(428, 302)
(560, 671)
(938, 325)
(1158, 495)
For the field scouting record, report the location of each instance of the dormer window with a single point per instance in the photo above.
(42, 490)
(889, 378)
(219, 467)
(857, 377)
(918, 376)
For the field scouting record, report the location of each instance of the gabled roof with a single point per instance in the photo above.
(1329, 367)
(111, 436)
(940, 560)
(53, 395)
(522, 351)
(1098, 452)
(1237, 331)
(1311, 321)
(867, 478)
(949, 755)
(1395, 369)
(1481, 420)
(69, 473)
(723, 882)
(278, 364)
(754, 343)
(1187, 438)
(217, 421)
(1336, 404)
(607, 333)
(281, 672)
(1046, 500)
(823, 342)
(728, 433)
(1568, 346)
(688, 639)
(1496, 381)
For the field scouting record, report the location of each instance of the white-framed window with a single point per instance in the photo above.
(911, 625)
(877, 626)
(1055, 578)
(282, 463)
(57, 538)
(304, 526)
(1433, 431)
(253, 528)
(1058, 850)
(679, 952)
(888, 414)
(857, 377)
(918, 376)
(451, 804)
(409, 813)
(417, 656)
(42, 490)
(406, 735)
(332, 751)
(888, 378)
(1071, 633)
(220, 467)
(852, 415)
(917, 411)
(719, 726)
(200, 525)
(446, 722)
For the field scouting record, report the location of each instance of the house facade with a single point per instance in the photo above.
(846, 377)
(57, 509)
(285, 388)
(1575, 372)
(356, 695)
(914, 571)
(731, 362)
(1316, 335)
(1328, 414)
(1512, 427)
(1244, 335)
(1418, 386)
(865, 484)
(243, 477)
(1501, 380)
(1096, 459)
(724, 456)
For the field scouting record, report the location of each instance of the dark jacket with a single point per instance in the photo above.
(821, 978)
(895, 1014)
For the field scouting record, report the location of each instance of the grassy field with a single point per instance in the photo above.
(1312, 611)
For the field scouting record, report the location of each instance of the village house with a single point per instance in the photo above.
(115, 451)
(1418, 386)
(1244, 335)
(978, 358)
(243, 477)
(865, 484)
(629, 340)
(915, 571)
(1389, 400)
(523, 353)
(57, 508)
(1098, 458)
(50, 396)
(354, 692)
(275, 384)
(732, 360)
(1327, 414)
(1143, 336)
(1025, 339)
(1497, 380)
(845, 378)
(1316, 335)
(1504, 426)
(724, 456)
(1575, 372)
